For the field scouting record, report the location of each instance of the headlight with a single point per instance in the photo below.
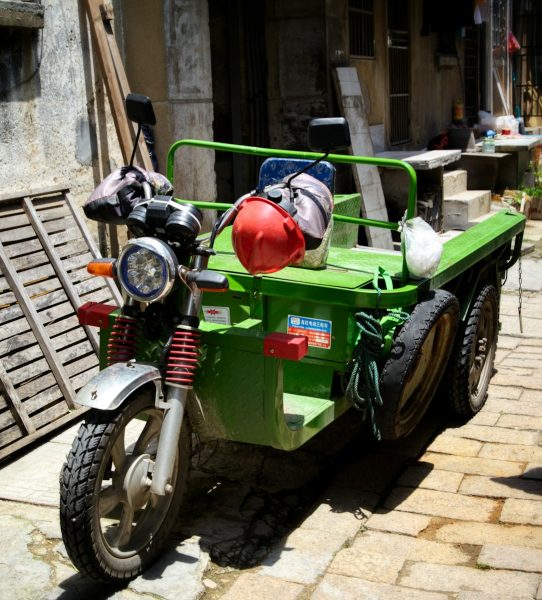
(147, 269)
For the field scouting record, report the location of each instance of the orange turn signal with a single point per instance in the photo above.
(102, 267)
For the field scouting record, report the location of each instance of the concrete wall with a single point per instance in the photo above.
(168, 58)
(54, 127)
(298, 84)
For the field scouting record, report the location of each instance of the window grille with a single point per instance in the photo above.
(361, 26)
(528, 60)
(399, 71)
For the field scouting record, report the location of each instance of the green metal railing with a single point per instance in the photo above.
(333, 158)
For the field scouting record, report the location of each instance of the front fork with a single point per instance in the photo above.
(180, 374)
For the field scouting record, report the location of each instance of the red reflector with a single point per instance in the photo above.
(286, 346)
(95, 314)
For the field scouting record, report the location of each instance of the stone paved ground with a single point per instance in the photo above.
(453, 512)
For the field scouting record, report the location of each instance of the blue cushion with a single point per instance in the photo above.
(273, 170)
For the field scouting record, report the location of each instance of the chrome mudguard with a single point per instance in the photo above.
(110, 387)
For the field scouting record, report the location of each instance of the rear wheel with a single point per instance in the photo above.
(112, 525)
(471, 366)
(416, 364)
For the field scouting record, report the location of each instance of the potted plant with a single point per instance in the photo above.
(533, 186)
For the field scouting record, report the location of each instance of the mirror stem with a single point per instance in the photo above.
(135, 145)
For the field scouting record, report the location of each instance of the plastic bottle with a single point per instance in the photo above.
(488, 145)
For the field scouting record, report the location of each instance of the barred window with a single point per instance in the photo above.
(361, 26)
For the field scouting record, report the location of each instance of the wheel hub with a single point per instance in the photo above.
(136, 482)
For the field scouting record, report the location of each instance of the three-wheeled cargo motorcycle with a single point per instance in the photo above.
(262, 331)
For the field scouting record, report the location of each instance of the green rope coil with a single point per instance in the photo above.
(363, 389)
(374, 342)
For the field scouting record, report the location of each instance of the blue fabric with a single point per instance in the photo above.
(273, 170)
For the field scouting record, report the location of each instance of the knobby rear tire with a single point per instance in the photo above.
(416, 364)
(471, 365)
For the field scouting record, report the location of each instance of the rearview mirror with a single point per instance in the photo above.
(329, 133)
(139, 109)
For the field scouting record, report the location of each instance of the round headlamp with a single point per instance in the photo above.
(147, 269)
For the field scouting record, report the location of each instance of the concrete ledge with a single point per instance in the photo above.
(460, 210)
(21, 14)
(454, 182)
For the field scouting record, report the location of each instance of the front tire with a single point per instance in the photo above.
(113, 527)
(418, 357)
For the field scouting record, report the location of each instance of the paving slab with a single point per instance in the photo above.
(525, 512)
(502, 435)
(433, 479)
(303, 556)
(374, 566)
(457, 445)
(501, 487)
(472, 465)
(408, 548)
(441, 504)
(398, 522)
(489, 533)
(451, 578)
(250, 586)
(338, 587)
(517, 558)
(513, 452)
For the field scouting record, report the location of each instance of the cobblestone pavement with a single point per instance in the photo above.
(453, 512)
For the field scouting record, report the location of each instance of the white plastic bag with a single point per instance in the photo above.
(422, 247)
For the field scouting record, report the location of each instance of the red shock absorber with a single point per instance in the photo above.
(183, 357)
(122, 341)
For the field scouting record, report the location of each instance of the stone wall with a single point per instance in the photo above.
(54, 122)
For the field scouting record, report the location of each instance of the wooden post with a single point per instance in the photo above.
(114, 76)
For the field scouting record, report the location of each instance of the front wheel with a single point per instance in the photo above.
(113, 527)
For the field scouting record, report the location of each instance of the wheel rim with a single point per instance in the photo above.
(128, 514)
(483, 351)
(418, 389)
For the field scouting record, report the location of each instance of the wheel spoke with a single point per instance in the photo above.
(123, 531)
(151, 430)
(109, 499)
(118, 452)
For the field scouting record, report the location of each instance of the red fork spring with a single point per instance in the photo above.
(183, 357)
(122, 341)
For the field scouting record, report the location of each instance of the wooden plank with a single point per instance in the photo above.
(108, 18)
(32, 352)
(29, 371)
(101, 48)
(12, 196)
(367, 177)
(34, 386)
(10, 435)
(115, 293)
(21, 416)
(31, 314)
(59, 423)
(59, 267)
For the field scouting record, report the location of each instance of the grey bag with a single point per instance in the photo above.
(118, 194)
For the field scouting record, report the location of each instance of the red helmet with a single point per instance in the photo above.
(265, 237)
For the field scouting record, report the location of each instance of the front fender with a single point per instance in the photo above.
(110, 387)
